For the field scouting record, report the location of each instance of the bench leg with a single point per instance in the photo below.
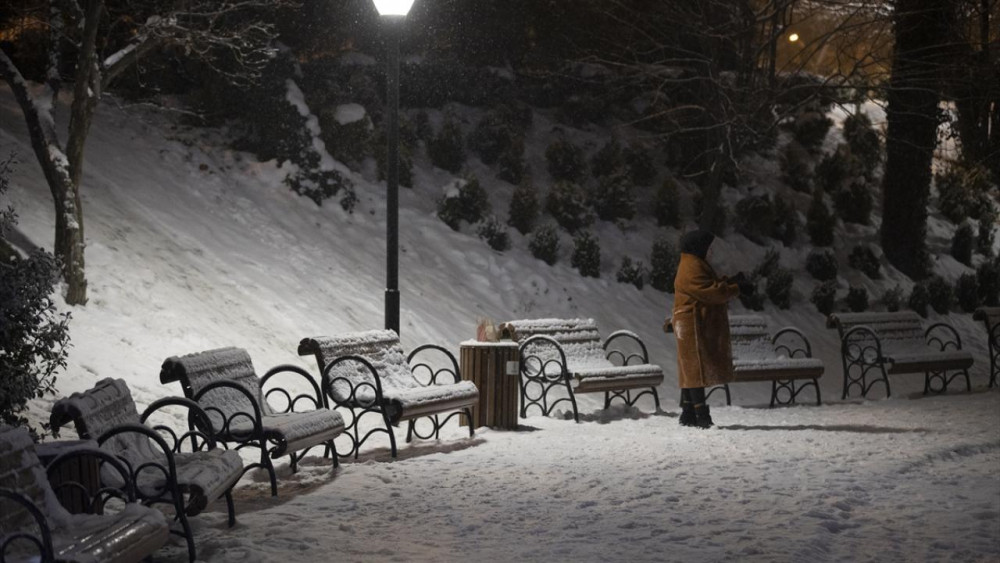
(230, 508)
(725, 389)
(468, 419)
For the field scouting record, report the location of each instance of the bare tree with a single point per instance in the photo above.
(232, 36)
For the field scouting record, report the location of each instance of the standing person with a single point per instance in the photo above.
(701, 325)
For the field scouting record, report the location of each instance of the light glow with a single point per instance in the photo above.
(793, 37)
(393, 7)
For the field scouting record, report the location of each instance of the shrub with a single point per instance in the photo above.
(523, 207)
(446, 150)
(795, 167)
(768, 265)
(612, 198)
(608, 160)
(568, 206)
(779, 288)
(824, 296)
(786, 222)
(33, 335)
(984, 240)
(494, 135)
(319, 185)
(892, 299)
(586, 255)
(857, 299)
(919, 299)
(719, 223)
(810, 128)
(834, 169)
(348, 142)
(544, 244)
(967, 292)
(854, 202)
(940, 294)
(819, 221)
(512, 166)
(631, 273)
(663, 263)
(988, 278)
(963, 192)
(822, 264)
(863, 258)
(667, 205)
(494, 234)
(863, 141)
(754, 299)
(640, 165)
(754, 218)
(422, 126)
(465, 200)
(565, 161)
(961, 244)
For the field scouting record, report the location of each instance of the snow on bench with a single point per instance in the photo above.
(162, 473)
(242, 408)
(781, 359)
(569, 353)
(34, 526)
(991, 320)
(368, 372)
(896, 343)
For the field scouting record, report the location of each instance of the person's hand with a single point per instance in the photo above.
(740, 277)
(747, 287)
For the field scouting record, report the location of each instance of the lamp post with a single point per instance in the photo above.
(392, 12)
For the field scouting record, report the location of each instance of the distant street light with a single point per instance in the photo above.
(393, 12)
(793, 37)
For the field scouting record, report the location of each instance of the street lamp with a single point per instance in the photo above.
(392, 12)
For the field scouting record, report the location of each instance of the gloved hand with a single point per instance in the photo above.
(747, 286)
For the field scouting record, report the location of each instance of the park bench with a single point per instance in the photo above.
(369, 373)
(991, 319)
(884, 344)
(783, 359)
(569, 354)
(35, 527)
(163, 474)
(251, 411)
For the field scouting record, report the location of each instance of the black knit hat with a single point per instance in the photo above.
(697, 243)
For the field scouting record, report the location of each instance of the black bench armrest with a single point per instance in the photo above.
(375, 385)
(95, 499)
(952, 337)
(44, 543)
(533, 366)
(789, 346)
(432, 374)
(862, 338)
(623, 355)
(224, 431)
(169, 471)
(290, 402)
(199, 424)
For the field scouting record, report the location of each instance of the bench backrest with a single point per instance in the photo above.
(750, 338)
(22, 471)
(381, 348)
(989, 315)
(579, 339)
(896, 331)
(104, 406)
(196, 371)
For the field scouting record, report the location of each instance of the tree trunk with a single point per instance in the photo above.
(912, 133)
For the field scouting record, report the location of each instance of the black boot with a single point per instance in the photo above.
(703, 418)
(688, 417)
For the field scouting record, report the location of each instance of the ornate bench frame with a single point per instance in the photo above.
(991, 319)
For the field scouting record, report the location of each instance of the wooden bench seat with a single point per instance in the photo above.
(876, 345)
(569, 353)
(28, 506)
(368, 372)
(991, 321)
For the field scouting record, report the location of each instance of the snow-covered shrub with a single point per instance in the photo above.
(447, 149)
(854, 202)
(988, 277)
(511, 163)
(824, 296)
(819, 221)
(523, 207)
(494, 234)
(319, 185)
(919, 299)
(754, 299)
(469, 202)
(940, 294)
(565, 160)
(630, 272)
(857, 299)
(348, 139)
(984, 239)
(640, 165)
(754, 218)
(967, 292)
(612, 198)
(892, 299)
(863, 141)
(779, 287)
(667, 204)
(822, 264)
(544, 244)
(586, 255)
(863, 258)
(496, 133)
(567, 204)
(768, 265)
(834, 169)
(961, 244)
(963, 192)
(663, 261)
(795, 170)
(810, 128)
(610, 159)
(33, 335)
(786, 222)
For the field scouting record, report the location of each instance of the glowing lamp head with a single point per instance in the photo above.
(393, 7)
(793, 37)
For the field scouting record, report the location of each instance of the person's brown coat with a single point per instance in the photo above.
(701, 324)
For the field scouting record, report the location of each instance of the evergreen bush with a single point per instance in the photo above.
(967, 292)
(494, 135)
(612, 198)
(892, 299)
(630, 272)
(567, 204)
(786, 222)
(854, 202)
(819, 221)
(544, 244)
(988, 278)
(494, 234)
(919, 299)
(511, 164)
(447, 149)
(754, 218)
(779, 288)
(940, 294)
(863, 141)
(963, 192)
(824, 296)
(984, 239)
(863, 258)
(810, 129)
(586, 255)
(565, 161)
(663, 262)
(834, 169)
(667, 204)
(523, 207)
(610, 159)
(795, 170)
(468, 202)
(753, 299)
(961, 244)
(640, 164)
(857, 299)
(822, 264)
(768, 265)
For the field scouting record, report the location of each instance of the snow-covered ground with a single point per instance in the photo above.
(192, 246)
